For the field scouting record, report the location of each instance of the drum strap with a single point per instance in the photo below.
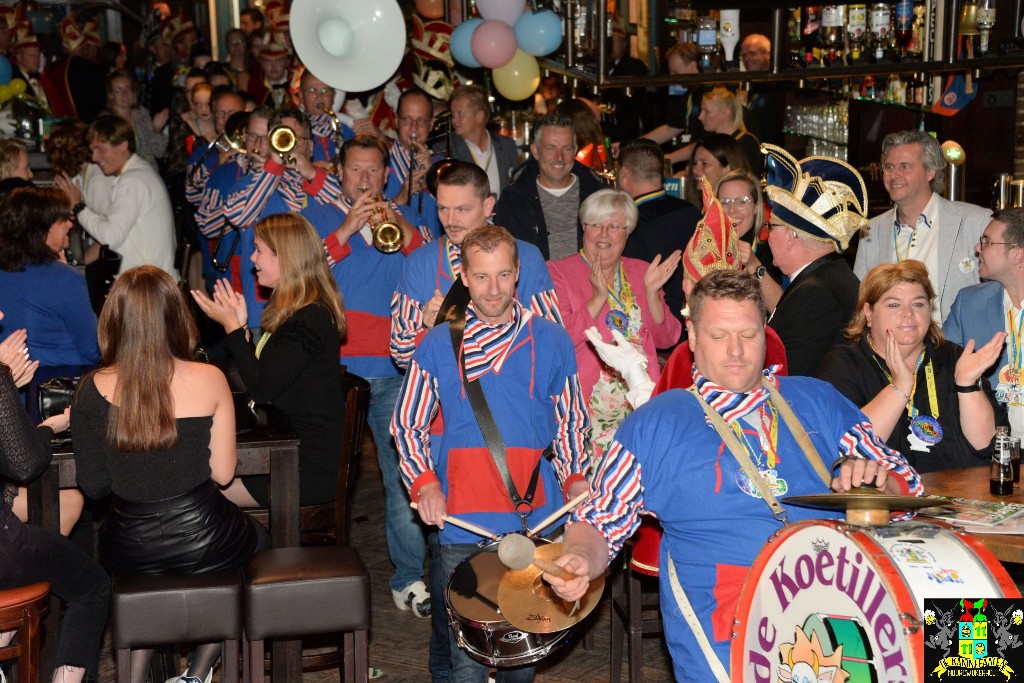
(691, 618)
(492, 436)
(454, 304)
(743, 458)
(798, 432)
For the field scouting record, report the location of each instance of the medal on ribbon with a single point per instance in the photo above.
(927, 429)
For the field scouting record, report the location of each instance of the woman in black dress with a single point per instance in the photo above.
(158, 431)
(925, 396)
(294, 365)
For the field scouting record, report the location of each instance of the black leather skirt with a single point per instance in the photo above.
(195, 532)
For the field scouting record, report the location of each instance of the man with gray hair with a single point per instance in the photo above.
(997, 306)
(472, 142)
(542, 204)
(922, 225)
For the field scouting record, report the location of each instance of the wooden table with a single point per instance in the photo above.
(973, 483)
(271, 450)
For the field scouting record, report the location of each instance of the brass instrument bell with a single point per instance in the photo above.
(387, 236)
(233, 136)
(282, 140)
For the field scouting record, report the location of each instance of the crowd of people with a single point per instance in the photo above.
(513, 320)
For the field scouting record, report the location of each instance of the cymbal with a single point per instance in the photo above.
(529, 604)
(861, 499)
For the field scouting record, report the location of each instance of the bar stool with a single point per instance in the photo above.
(293, 592)
(150, 610)
(21, 610)
(638, 571)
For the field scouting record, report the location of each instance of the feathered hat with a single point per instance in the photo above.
(24, 37)
(715, 244)
(822, 197)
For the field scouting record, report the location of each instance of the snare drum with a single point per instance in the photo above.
(862, 588)
(471, 596)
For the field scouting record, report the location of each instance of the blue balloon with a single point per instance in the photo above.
(538, 33)
(461, 50)
(5, 71)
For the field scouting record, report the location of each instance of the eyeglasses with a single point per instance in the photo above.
(736, 201)
(610, 229)
(986, 242)
(318, 91)
(252, 137)
(771, 226)
(236, 42)
(415, 123)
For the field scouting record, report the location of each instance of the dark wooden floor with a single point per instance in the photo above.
(399, 641)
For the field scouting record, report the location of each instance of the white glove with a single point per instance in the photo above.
(628, 361)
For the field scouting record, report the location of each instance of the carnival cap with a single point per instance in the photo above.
(274, 44)
(24, 37)
(822, 197)
(432, 40)
(715, 244)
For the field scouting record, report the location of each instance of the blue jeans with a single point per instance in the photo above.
(402, 528)
(465, 669)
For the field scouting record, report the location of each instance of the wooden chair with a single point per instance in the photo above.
(21, 610)
(327, 524)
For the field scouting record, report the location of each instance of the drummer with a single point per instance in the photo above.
(525, 368)
(666, 459)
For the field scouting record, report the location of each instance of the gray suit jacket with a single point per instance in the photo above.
(504, 150)
(960, 226)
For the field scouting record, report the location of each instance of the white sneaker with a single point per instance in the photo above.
(414, 597)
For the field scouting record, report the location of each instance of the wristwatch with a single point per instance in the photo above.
(760, 272)
(969, 389)
(77, 208)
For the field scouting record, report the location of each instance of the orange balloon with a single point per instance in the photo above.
(430, 9)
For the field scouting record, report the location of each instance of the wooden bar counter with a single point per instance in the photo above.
(972, 483)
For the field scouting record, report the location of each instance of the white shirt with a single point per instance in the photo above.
(1015, 413)
(488, 162)
(138, 222)
(921, 242)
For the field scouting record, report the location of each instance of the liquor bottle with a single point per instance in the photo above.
(880, 20)
(707, 41)
(796, 58)
(856, 30)
(986, 20)
(919, 36)
(833, 32)
(810, 27)
(903, 23)
(1001, 475)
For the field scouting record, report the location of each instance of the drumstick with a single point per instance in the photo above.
(550, 519)
(463, 524)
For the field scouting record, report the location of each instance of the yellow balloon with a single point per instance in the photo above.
(5, 93)
(518, 79)
(17, 86)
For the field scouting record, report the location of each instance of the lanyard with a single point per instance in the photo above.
(896, 242)
(929, 376)
(622, 294)
(1016, 328)
(769, 430)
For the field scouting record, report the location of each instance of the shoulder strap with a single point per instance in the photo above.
(698, 630)
(798, 432)
(742, 457)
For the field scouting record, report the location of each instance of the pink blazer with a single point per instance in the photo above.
(571, 276)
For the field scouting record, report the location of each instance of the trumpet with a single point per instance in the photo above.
(233, 137)
(387, 236)
(336, 129)
(282, 140)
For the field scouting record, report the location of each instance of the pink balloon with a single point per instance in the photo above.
(507, 11)
(493, 43)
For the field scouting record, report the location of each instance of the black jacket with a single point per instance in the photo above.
(813, 311)
(519, 208)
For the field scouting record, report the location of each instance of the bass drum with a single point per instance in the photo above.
(471, 597)
(818, 585)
